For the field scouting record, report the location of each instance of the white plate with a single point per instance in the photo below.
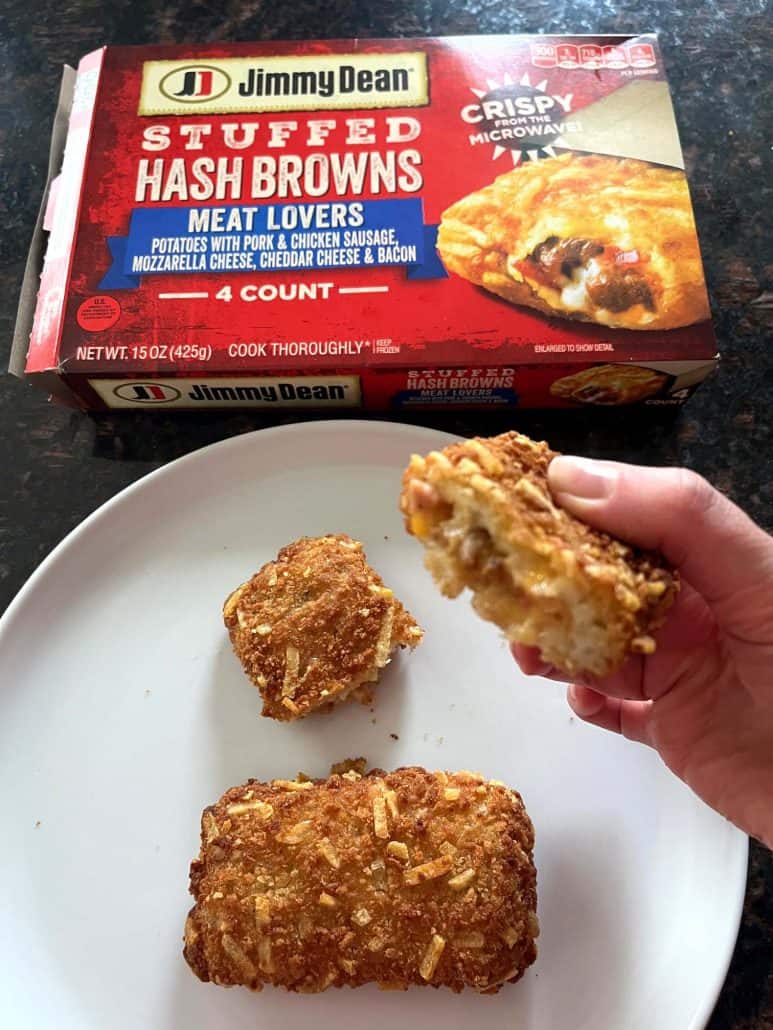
(123, 713)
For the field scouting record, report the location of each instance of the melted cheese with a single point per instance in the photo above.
(574, 296)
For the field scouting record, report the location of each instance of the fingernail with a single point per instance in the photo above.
(581, 477)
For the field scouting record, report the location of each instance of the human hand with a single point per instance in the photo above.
(704, 699)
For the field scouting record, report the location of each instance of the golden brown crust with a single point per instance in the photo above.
(610, 384)
(484, 511)
(632, 207)
(315, 625)
(398, 878)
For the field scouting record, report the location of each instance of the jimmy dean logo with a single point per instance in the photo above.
(241, 392)
(196, 83)
(306, 83)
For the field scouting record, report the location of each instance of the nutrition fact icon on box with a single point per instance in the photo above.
(383, 224)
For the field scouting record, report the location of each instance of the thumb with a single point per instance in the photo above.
(714, 545)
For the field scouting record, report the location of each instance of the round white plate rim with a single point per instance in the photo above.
(331, 426)
(439, 438)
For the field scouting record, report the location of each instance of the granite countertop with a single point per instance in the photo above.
(62, 464)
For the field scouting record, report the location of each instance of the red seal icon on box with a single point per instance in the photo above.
(567, 55)
(591, 55)
(97, 314)
(641, 55)
(615, 57)
(543, 55)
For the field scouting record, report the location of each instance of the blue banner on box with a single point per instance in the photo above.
(273, 238)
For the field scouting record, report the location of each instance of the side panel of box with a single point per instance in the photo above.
(402, 390)
(61, 219)
(25, 312)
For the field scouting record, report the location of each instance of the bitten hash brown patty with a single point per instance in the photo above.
(484, 512)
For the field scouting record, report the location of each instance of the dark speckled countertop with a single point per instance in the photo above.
(58, 465)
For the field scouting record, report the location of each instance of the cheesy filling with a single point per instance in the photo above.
(520, 591)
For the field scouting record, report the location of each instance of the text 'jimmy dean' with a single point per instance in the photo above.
(340, 391)
(301, 83)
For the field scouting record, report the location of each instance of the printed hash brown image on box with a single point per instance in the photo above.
(386, 224)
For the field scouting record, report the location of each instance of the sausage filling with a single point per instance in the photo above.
(586, 270)
(467, 543)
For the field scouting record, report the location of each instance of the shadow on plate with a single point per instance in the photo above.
(584, 928)
(244, 744)
(197, 1006)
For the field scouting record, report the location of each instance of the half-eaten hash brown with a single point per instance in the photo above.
(484, 512)
(400, 878)
(315, 625)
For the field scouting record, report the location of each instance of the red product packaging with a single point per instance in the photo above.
(386, 224)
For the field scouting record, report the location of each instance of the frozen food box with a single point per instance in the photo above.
(382, 224)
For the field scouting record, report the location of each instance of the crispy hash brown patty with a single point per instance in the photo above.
(315, 625)
(398, 878)
(485, 514)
